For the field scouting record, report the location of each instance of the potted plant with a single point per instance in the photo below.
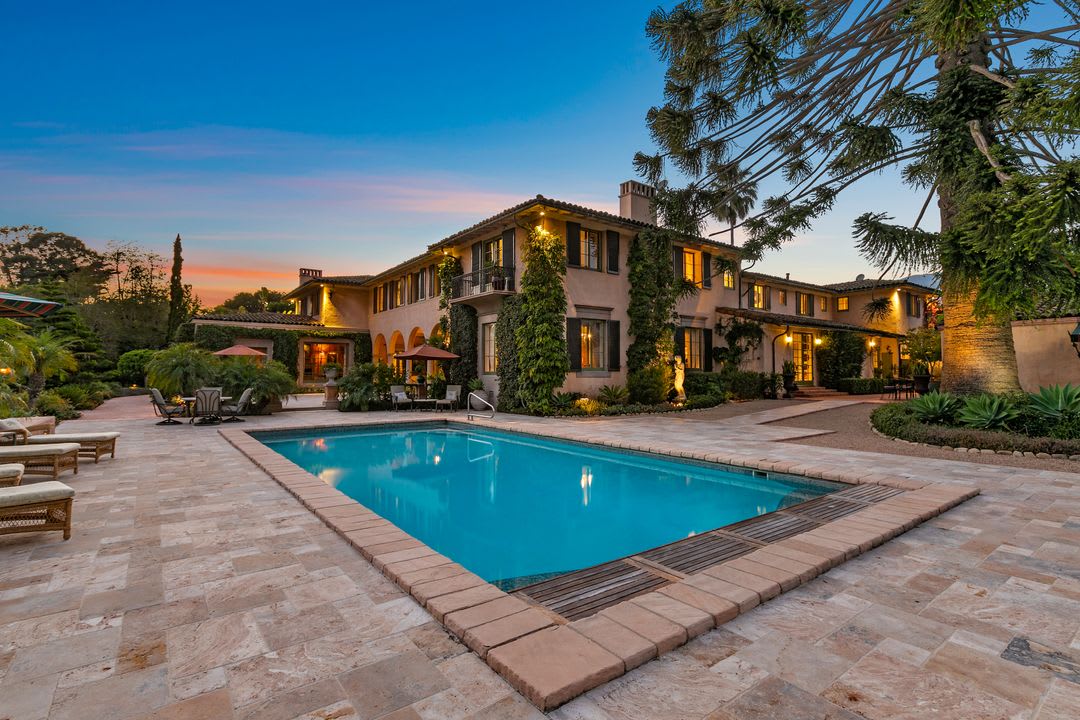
(476, 385)
(774, 382)
(788, 374)
(921, 377)
(331, 371)
(498, 278)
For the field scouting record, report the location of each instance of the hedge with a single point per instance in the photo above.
(286, 343)
(861, 386)
(740, 384)
(898, 421)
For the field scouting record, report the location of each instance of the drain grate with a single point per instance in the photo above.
(697, 553)
(585, 592)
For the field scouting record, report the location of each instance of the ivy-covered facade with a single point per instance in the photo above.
(633, 294)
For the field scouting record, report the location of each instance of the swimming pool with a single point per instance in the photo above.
(514, 508)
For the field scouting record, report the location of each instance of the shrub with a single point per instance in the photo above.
(1056, 401)
(590, 406)
(613, 395)
(131, 367)
(77, 397)
(1068, 428)
(897, 420)
(563, 400)
(936, 408)
(707, 400)
(180, 369)
(357, 388)
(50, 402)
(840, 356)
(861, 386)
(702, 383)
(649, 385)
(269, 382)
(745, 385)
(987, 412)
(510, 315)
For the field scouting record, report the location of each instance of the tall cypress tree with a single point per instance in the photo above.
(176, 291)
(541, 337)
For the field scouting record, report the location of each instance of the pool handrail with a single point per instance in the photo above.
(470, 414)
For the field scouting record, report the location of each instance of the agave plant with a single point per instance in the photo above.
(987, 412)
(936, 408)
(1056, 401)
(613, 395)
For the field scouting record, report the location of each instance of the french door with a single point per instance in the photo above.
(803, 351)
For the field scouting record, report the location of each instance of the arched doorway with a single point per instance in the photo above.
(419, 368)
(378, 350)
(397, 345)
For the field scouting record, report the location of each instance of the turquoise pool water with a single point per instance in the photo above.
(509, 506)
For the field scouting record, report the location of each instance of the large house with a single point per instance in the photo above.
(399, 307)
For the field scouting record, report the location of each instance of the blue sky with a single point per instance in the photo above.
(343, 137)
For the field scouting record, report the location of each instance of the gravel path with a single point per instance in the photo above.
(851, 431)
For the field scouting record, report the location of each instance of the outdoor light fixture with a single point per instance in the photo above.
(872, 343)
(1074, 337)
(5, 371)
(787, 339)
(817, 341)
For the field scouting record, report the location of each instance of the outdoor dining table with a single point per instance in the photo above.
(189, 403)
(418, 392)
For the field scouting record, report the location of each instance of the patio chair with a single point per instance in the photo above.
(37, 507)
(207, 406)
(169, 411)
(92, 445)
(890, 389)
(233, 410)
(453, 397)
(398, 396)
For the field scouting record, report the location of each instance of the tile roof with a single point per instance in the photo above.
(264, 318)
(801, 321)
(775, 278)
(343, 279)
(870, 283)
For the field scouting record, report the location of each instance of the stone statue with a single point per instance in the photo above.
(680, 375)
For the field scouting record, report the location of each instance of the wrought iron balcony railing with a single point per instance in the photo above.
(499, 278)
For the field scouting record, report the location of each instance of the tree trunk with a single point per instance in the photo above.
(975, 356)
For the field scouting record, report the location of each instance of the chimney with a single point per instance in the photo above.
(787, 276)
(307, 275)
(636, 202)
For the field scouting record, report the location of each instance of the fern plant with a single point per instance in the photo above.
(936, 408)
(987, 412)
(1056, 401)
(613, 395)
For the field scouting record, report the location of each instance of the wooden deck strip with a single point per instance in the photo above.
(699, 552)
(824, 509)
(772, 527)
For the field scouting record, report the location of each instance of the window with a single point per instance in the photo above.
(590, 249)
(399, 292)
(491, 358)
(593, 344)
(914, 305)
(823, 303)
(693, 348)
(804, 304)
(692, 266)
(759, 297)
(782, 299)
(729, 279)
(842, 304)
(493, 253)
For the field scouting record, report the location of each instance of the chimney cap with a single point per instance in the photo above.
(860, 276)
(787, 276)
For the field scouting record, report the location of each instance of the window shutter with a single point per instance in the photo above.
(768, 297)
(706, 348)
(614, 344)
(573, 247)
(680, 343)
(508, 248)
(676, 262)
(706, 269)
(813, 302)
(612, 251)
(477, 255)
(573, 342)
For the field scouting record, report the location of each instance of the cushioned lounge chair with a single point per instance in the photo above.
(453, 397)
(234, 410)
(399, 397)
(168, 411)
(10, 474)
(92, 445)
(36, 507)
(207, 406)
(43, 459)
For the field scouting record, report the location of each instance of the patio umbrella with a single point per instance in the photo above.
(426, 352)
(241, 351)
(17, 306)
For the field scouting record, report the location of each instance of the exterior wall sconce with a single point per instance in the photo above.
(1074, 338)
(872, 343)
(787, 339)
(817, 341)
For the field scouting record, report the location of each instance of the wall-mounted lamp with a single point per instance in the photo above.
(817, 341)
(788, 339)
(872, 343)
(1074, 337)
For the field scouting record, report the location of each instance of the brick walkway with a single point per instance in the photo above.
(196, 587)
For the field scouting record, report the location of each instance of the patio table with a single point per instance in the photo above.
(189, 402)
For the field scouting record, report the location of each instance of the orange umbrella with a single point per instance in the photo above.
(240, 351)
(426, 352)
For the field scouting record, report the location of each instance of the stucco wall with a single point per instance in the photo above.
(1044, 354)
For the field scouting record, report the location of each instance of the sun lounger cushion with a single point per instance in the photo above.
(72, 438)
(10, 470)
(14, 452)
(35, 493)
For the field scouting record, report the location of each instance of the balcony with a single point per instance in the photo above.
(491, 281)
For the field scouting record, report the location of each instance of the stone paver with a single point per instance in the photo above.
(966, 615)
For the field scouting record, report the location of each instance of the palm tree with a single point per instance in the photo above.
(52, 357)
(737, 195)
(971, 100)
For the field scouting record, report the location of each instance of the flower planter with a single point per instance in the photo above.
(922, 383)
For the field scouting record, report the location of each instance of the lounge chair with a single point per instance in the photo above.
(207, 406)
(92, 445)
(234, 410)
(43, 459)
(453, 397)
(36, 507)
(399, 397)
(169, 411)
(10, 474)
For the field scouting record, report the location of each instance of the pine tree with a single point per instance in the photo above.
(177, 302)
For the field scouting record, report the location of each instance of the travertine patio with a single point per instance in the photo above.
(195, 586)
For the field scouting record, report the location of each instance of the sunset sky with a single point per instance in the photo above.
(275, 136)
